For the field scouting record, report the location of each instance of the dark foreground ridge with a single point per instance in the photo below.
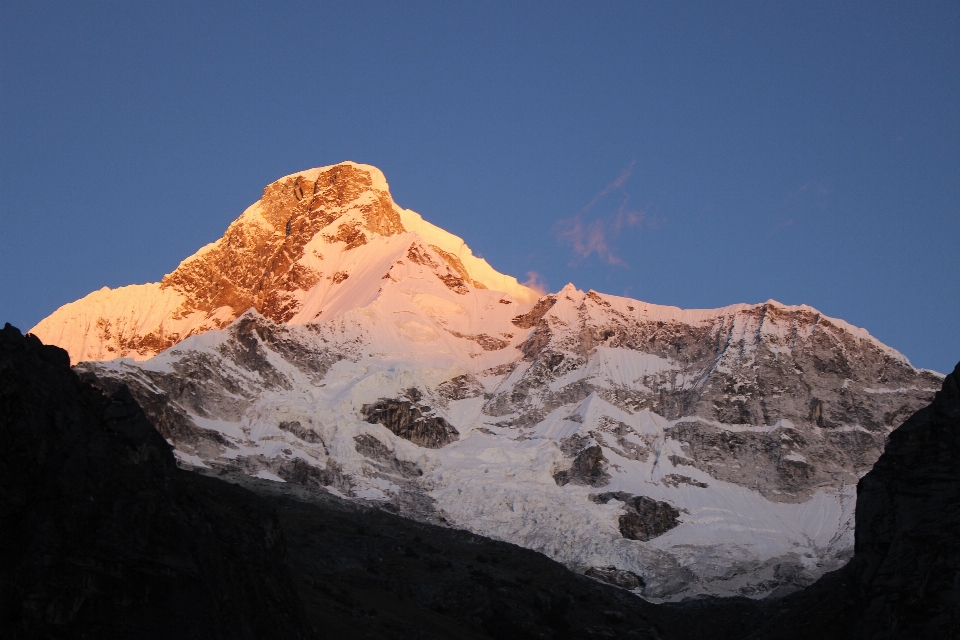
(104, 537)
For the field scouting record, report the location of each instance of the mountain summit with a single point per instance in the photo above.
(333, 339)
(287, 257)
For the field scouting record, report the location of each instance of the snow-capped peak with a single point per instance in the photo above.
(289, 257)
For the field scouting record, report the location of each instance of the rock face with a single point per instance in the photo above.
(102, 535)
(255, 266)
(411, 421)
(412, 375)
(826, 396)
(642, 518)
(589, 468)
(646, 518)
(612, 575)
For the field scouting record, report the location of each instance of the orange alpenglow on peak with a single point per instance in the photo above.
(288, 257)
(257, 263)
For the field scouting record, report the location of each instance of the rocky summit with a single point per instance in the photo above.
(335, 340)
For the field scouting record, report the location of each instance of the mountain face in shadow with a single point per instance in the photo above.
(908, 523)
(105, 537)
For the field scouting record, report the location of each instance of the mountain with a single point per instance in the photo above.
(333, 339)
(286, 257)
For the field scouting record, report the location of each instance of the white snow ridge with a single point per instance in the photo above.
(333, 338)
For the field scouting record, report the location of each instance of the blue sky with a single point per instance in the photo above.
(674, 152)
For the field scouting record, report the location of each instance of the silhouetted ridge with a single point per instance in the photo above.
(907, 557)
(102, 534)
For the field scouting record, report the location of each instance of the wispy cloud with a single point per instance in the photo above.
(536, 282)
(797, 204)
(811, 190)
(610, 188)
(597, 236)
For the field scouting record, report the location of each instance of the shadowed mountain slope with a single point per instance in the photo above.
(105, 537)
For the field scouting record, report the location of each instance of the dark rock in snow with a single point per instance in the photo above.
(643, 518)
(589, 468)
(383, 458)
(460, 387)
(532, 317)
(614, 576)
(297, 429)
(411, 421)
(676, 479)
(646, 518)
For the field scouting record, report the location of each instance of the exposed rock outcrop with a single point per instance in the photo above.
(589, 468)
(256, 266)
(412, 421)
(676, 479)
(646, 518)
(643, 518)
(530, 319)
(612, 575)
(460, 387)
(783, 464)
